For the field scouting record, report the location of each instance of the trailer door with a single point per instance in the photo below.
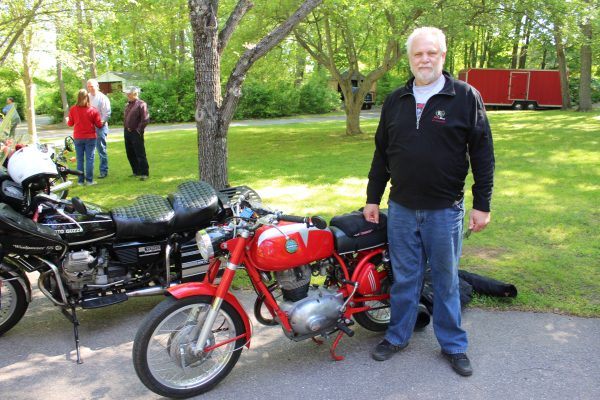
(518, 85)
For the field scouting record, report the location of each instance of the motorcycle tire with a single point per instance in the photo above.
(162, 349)
(13, 302)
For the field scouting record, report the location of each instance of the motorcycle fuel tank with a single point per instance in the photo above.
(78, 229)
(289, 245)
(21, 235)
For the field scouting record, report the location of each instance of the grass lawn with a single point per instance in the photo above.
(545, 230)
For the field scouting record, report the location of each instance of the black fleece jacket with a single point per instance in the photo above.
(428, 161)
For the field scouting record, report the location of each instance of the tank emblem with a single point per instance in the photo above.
(291, 246)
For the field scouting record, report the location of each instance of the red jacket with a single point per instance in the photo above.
(84, 120)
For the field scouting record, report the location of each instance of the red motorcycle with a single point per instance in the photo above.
(190, 341)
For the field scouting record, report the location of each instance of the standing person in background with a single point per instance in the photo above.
(135, 121)
(15, 119)
(430, 130)
(99, 101)
(84, 119)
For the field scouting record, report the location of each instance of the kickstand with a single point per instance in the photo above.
(317, 341)
(73, 318)
(333, 347)
(343, 327)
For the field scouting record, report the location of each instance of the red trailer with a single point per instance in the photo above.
(516, 88)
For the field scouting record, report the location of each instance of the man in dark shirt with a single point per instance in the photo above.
(429, 132)
(135, 121)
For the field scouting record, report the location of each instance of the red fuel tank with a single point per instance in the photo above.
(290, 245)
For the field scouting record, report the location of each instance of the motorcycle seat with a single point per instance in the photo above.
(149, 216)
(351, 244)
(195, 204)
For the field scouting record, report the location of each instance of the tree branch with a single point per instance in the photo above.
(242, 7)
(234, 84)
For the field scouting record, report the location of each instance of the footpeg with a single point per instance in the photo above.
(344, 328)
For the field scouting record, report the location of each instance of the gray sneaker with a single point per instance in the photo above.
(384, 350)
(91, 183)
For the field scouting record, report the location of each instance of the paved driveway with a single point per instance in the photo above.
(516, 355)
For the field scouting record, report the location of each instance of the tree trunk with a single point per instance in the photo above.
(80, 43)
(352, 118)
(517, 38)
(91, 45)
(63, 92)
(27, 77)
(585, 84)
(213, 112)
(59, 71)
(562, 66)
(525, 46)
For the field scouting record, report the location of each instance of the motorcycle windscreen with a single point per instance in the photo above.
(21, 235)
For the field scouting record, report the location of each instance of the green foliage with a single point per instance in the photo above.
(267, 100)
(316, 97)
(171, 100)
(387, 84)
(19, 98)
(54, 103)
(281, 98)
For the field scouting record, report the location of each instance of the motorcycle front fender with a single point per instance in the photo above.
(205, 289)
(19, 275)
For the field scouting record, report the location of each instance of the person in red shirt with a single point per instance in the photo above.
(84, 119)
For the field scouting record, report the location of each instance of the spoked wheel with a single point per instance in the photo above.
(378, 317)
(164, 354)
(13, 301)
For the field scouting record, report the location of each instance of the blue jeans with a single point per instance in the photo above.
(101, 134)
(418, 238)
(84, 150)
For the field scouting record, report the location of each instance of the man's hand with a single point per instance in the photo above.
(371, 213)
(478, 220)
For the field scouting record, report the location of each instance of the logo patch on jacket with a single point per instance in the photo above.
(439, 117)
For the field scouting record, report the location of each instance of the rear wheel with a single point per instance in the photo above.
(13, 301)
(163, 349)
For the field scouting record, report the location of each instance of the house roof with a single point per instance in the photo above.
(114, 76)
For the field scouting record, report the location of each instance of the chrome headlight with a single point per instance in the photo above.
(209, 241)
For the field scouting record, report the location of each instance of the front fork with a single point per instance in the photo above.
(235, 259)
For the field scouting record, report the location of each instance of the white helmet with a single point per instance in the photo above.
(29, 163)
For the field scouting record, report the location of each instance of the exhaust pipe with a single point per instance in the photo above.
(153, 291)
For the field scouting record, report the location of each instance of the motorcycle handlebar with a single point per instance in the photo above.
(316, 221)
(65, 170)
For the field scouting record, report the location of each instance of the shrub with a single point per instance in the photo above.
(316, 97)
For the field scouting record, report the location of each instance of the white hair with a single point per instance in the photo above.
(427, 30)
(92, 82)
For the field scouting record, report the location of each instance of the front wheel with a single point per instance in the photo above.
(164, 354)
(13, 301)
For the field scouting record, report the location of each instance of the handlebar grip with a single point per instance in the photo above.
(316, 221)
(65, 170)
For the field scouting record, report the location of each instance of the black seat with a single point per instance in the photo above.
(195, 204)
(351, 232)
(346, 244)
(150, 216)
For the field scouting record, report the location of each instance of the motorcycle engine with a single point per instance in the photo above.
(81, 268)
(316, 313)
